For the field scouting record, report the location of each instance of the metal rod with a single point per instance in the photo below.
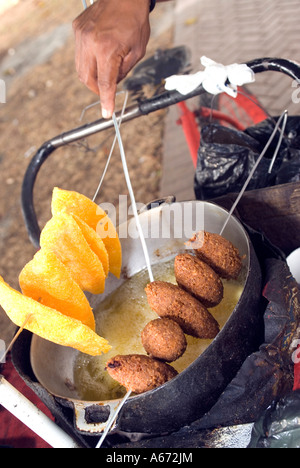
(90, 129)
(32, 417)
(282, 117)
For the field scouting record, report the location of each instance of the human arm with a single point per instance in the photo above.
(111, 37)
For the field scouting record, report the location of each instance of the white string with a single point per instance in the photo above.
(132, 198)
(127, 177)
(282, 117)
(115, 413)
(118, 137)
(112, 149)
(129, 185)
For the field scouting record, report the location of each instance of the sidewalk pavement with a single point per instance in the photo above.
(230, 31)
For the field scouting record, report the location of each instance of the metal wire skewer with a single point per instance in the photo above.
(115, 413)
(112, 419)
(111, 150)
(283, 117)
(3, 358)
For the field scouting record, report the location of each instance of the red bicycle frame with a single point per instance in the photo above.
(188, 119)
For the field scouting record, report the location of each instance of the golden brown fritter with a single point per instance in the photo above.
(169, 300)
(199, 279)
(164, 339)
(219, 253)
(139, 373)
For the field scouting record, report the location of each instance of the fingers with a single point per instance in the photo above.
(107, 80)
(111, 37)
(110, 72)
(99, 68)
(102, 67)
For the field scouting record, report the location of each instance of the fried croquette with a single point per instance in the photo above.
(169, 300)
(164, 339)
(139, 373)
(199, 279)
(219, 253)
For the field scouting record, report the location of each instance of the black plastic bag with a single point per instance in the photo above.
(226, 157)
(267, 374)
(279, 426)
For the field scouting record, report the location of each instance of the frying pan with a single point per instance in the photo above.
(199, 386)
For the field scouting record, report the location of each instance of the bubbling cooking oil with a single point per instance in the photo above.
(120, 319)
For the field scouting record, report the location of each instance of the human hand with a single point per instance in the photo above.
(111, 37)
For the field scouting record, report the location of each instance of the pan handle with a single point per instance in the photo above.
(153, 104)
(91, 418)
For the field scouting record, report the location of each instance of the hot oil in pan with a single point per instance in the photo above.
(122, 316)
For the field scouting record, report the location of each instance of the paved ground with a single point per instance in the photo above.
(230, 31)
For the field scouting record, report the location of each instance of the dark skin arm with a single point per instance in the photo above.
(111, 37)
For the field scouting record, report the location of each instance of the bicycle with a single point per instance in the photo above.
(142, 107)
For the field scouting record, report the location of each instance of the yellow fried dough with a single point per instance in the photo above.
(95, 217)
(46, 280)
(95, 243)
(49, 323)
(63, 236)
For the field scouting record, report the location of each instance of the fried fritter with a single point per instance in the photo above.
(169, 300)
(164, 339)
(199, 279)
(139, 373)
(219, 253)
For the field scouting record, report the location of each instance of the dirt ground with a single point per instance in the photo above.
(44, 99)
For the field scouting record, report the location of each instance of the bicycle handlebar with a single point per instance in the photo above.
(290, 68)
